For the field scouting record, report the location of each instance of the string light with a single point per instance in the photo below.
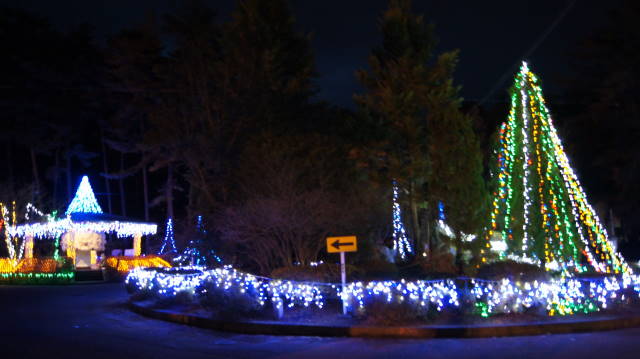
(84, 201)
(125, 264)
(37, 278)
(31, 208)
(192, 254)
(15, 252)
(401, 245)
(564, 296)
(37, 265)
(197, 281)
(7, 265)
(421, 292)
(76, 222)
(28, 265)
(137, 245)
(445, 229)
(59, 227)
(169, 242)
(557, 221)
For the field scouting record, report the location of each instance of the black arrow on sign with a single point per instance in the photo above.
(336, 244)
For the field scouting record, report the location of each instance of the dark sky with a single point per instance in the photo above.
(493, 36)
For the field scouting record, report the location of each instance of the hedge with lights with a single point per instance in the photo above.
(564, 296)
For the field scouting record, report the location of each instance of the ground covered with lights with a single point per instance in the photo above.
(81, 321)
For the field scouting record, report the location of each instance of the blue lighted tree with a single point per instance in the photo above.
(169, 242)
(84, 200)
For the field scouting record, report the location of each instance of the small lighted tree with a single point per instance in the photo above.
(401, 245)
(169, 242)
(84, 201)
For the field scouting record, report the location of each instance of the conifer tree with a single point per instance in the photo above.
(410, 101)
(540, 211)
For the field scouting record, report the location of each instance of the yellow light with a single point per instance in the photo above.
(125, 264)
(28, 248)
(7, 265)
(137, 245)
(37, 265)
(71, 252)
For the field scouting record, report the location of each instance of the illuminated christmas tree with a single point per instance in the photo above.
(169, 242)
(84, 200)
(540, 211)
(401, 245)
(197, 252)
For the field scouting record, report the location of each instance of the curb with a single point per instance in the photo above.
(391, 332)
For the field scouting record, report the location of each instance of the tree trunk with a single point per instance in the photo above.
(459, 263)
(123, 206)
(428, 235)
(415, 222)
(169, 191)
(145, 186)
(105, 168)
(10, 166)
(68, 171)
(145, 183)
(36, 181)
(56, 174)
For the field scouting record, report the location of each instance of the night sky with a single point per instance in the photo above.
(493, 36)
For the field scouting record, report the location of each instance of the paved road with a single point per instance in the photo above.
(91, 321)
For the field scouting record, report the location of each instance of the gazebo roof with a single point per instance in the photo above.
(84, 214)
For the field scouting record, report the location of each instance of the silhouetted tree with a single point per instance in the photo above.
(415, 119)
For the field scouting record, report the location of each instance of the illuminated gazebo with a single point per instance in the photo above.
(83, 229)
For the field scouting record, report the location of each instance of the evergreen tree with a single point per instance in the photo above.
(456, 178)
(540, 211)
(410, 98)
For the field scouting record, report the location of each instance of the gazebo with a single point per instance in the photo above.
(83, 230)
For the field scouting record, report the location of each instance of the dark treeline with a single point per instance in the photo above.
(185, 114)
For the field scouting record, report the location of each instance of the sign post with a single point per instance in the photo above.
(343, 278)
(342, 245)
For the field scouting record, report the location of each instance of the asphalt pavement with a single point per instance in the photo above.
(92, 321)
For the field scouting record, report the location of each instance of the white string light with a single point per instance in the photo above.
(401, 245)
(564, 296)
(169, 241)
(84, 201)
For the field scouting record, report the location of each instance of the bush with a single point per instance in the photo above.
(380, 312)
(325, 273)
(180, 298)
(512, 270)
(378, 270)
(231, 303)
(439, 264)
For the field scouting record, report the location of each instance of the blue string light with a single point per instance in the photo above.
(192, 255)
(441, 215)
(169, 240)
